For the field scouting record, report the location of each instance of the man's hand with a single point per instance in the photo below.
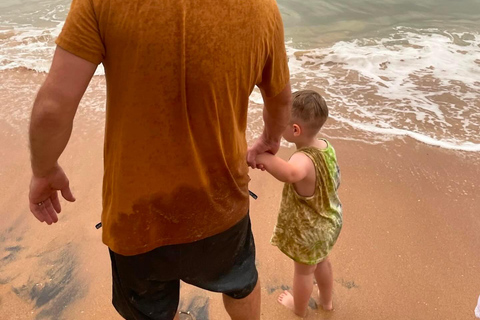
(262, 145)
(44, 201)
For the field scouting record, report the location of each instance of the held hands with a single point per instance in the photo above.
(43, 197)
(261, 160)
(262, 145)
(260, 166)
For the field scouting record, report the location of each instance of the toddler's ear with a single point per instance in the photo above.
(296, 129)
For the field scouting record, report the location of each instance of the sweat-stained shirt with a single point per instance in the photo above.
(179, 74)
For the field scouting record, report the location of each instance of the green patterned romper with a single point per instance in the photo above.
(308, 227)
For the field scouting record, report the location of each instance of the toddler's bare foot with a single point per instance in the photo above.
(327, 306)
(286, 299)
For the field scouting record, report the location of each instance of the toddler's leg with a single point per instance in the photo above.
(302, 289)
(324, 277)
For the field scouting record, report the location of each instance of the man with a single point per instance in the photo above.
(175, 191)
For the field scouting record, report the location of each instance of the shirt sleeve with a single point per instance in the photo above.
(275, 74)
(80, 34)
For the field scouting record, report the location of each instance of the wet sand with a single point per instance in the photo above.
(408, 249)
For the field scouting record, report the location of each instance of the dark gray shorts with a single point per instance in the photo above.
(147, 286)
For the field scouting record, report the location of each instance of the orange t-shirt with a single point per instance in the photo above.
(179, 74)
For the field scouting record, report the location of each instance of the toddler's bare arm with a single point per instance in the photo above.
(293, 171)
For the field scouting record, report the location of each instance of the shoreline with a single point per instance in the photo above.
(91, 113)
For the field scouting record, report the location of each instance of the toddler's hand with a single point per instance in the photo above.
(260, 160)
(260, 166)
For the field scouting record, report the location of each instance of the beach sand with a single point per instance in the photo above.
(409, 248)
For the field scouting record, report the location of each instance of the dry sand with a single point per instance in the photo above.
(409, 248)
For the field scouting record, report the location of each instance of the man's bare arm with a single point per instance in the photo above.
(50, 128)
(276, 114)
(55, 107)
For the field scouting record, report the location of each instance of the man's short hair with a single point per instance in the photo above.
(310, 108)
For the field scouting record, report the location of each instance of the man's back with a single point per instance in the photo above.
(179, 74)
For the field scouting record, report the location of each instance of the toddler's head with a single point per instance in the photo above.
(309, 113)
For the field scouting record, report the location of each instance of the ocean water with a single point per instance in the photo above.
(388, 69)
